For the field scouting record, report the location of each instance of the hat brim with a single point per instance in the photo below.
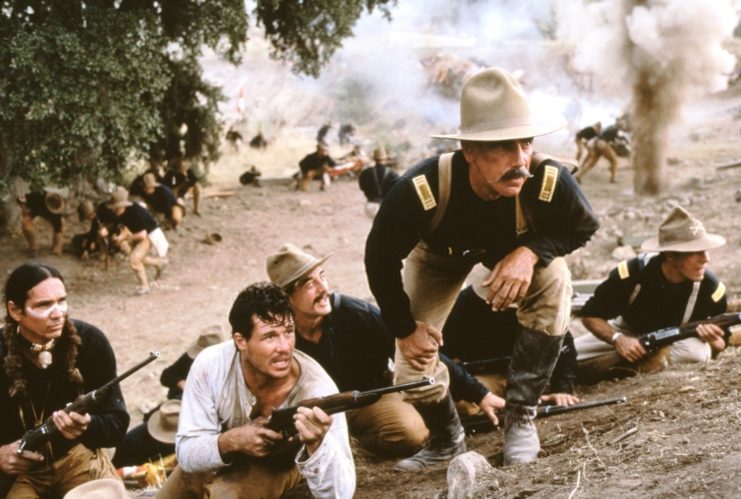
(157, 433)
(708, 242)
(508, 133)
(119, 204)
(309, 267)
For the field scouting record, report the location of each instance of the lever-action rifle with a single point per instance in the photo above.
(281, 420)
(657, 339)
(481, 422)
(36, 438)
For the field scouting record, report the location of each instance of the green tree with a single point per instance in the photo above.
(88, 85)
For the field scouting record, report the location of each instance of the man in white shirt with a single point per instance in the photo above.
(230, 392)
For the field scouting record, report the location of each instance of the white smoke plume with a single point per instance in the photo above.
(398, 81)
(662, 53)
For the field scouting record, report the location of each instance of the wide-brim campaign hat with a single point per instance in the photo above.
(119, 198)
(291, 263)
(494, 107)
(102, 488)
(163, 423)
(54, 202)
(681, 232)
(150, 180)
(380, 155)
(209, 336)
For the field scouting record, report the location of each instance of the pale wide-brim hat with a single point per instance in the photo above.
(380, 155)
(206, 338)
(163, 423)
(54, 202)
(119, 198)
(150, 180)
(102, 488)
(291, 263)
(494, 107)
(683, 233)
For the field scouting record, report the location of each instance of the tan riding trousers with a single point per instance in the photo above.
(433, 283)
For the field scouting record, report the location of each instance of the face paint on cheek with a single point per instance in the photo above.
(45, 313)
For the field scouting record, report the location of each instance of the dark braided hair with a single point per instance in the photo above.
(22, 280)
(266, 301)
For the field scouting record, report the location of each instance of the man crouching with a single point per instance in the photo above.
(231, 390)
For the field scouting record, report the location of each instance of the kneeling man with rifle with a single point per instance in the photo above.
(49, 360)
(224, 442)
(640, 307)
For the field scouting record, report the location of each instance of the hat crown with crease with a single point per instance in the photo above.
(291, 263)
(163, 423)
(494, 108)
(681, 232)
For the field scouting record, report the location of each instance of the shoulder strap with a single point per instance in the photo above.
(445, 175)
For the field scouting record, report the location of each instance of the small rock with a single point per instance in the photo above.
(469, 475)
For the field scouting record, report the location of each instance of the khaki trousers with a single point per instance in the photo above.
(389, 427)
(433, 283)
(248, 479)
(599, 360)
(78, 466)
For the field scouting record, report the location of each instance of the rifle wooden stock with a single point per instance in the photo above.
(481, 422)
(36, 438)
(656, 339)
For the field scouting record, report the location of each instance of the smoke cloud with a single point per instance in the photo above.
(660, 53)
(399, 81)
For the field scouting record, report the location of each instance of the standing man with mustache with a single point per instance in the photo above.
(491, 202)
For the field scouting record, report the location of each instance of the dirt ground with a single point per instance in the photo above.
(686, 443)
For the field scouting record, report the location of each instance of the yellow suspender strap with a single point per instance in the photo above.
(445, 175)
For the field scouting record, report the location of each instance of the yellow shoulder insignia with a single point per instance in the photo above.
(623, 271)
(424, 192)
(548, 186)
(719, 292)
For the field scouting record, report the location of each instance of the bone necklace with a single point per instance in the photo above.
(44, 353)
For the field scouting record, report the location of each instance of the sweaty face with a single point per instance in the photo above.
(493, 167)
(269, 350)
(311, 295)
(42, 317)
(687, 266)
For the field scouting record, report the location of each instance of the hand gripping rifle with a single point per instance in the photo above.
(481, 422)
(656, 339)
(36, 438)
(281, 420)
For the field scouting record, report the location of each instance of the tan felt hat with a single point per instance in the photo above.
(683, 233)
(119, 198)
(209, 336)
(380, 155)
(291, 263)
(54, 202)
(150, 180)
(494, 107)
(163, 423)
(102, 488)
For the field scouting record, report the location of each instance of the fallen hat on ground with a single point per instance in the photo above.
(163, 423)
(54, 202)
(102, 488)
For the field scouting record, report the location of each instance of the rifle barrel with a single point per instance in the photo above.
(426, 381)
(552, 410)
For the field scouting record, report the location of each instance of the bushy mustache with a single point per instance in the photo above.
(520, 172)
